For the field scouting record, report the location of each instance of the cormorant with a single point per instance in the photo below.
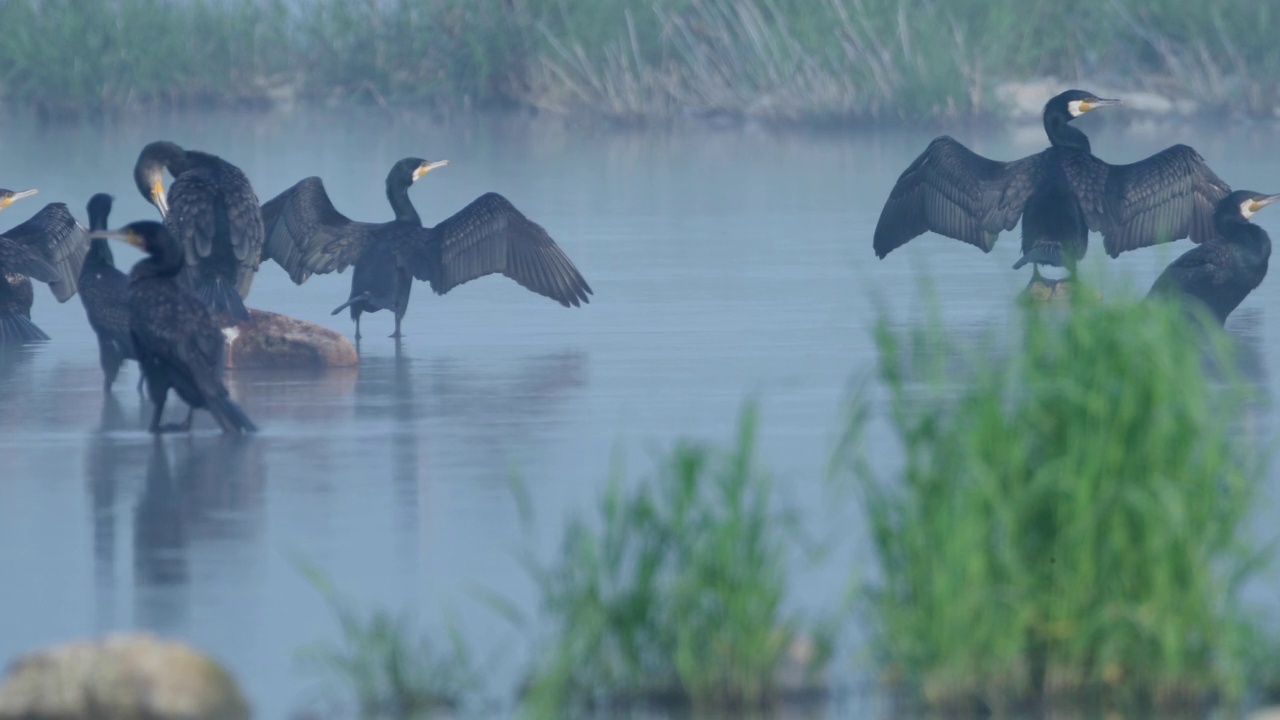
(1222, 271)
(1060, 194)
(49, 247)
(178, 343)
(104, 291)
(306, 235)
(212, 210)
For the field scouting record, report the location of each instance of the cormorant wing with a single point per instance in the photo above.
(953, 191)
(1166, 197)
(488, 236)
(306, 234)
(195, 199)
(50, 247)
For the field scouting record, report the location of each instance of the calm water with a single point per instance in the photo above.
(725, 264)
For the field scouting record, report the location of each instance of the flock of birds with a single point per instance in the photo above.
(201, 258)
(167, 314)
(1063, 192)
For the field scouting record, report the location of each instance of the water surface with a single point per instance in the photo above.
(726, 264)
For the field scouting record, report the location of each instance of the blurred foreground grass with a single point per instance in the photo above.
(1058, 523)
(1069, 526)
(781, 61)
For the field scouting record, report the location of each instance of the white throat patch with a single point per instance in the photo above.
(1246, 209)
(1073, 107)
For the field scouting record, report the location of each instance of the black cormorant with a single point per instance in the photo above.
(1221, 272)
(212, 210)
(306, 235)
(104, 291)
(178, 342)
(1060, 194)
(49, 247)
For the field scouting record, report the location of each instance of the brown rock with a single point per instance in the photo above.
(271, 340)
(136, 676)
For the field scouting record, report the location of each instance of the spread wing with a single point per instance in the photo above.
(306, 234)
(953, 191)
(50, 247)
(1166, 197)
(491, 236)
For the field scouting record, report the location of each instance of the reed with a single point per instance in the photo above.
(1068, 526)
(675, 593)
(631, 61)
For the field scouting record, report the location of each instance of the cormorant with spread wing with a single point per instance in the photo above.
(1222, 271)
(1060, 194)
(104, 291)
(49, 247)
(306, 235)
(212, 211)
(178, 342)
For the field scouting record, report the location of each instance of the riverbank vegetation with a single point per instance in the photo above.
(631, 61)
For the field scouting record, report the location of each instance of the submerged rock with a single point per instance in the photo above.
(271, 340)
(137, 676)
(1060, 290)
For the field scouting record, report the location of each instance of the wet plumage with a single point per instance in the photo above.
(104, 292)
(306, 234)
(1222, 271)
(212, 210)
(177, 341)
(1059, 194)
(50, 248)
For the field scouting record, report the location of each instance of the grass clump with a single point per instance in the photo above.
(1068, 523)
(382, 669)
(678, 596)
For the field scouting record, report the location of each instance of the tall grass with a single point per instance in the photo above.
(1069, 522)
(782, 61)
(382, 668)
(676, 595)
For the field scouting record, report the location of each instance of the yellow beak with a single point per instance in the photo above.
(158, 197)
(132, 238)
(16, 197)
(427, 167)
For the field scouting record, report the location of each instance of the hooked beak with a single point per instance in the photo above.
(16, 197)
(1263, 202)
(159, 198)
(1095, 103)
(123, 235)
(427, 167)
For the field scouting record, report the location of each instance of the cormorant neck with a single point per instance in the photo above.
(398, 196)
(166, 261)
(99, 253)
(1063, 135)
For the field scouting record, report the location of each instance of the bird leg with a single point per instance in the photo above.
(396, 334)
(184, 426)
(157, 410)
(357, 328)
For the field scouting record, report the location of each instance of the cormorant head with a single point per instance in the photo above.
(1244, 203)
(409, 170)
(99, 209)
(9, 197)
(148, 235)
(1074, 103)
(148, 173)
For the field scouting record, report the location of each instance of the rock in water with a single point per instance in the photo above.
(136, 676)
(271, 340)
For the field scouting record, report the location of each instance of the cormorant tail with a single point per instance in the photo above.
(19, 329)
(229, 415)
(221, 297)
(1042, 254)
(352, 301)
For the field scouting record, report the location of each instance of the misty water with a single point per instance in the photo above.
(726, 264)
